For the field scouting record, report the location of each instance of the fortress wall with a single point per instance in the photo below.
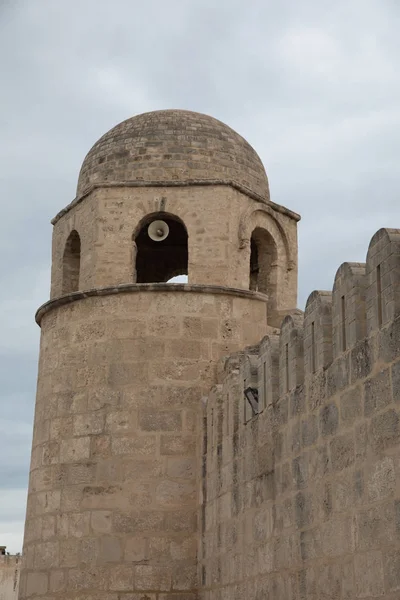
(9, 576)
(302, 501)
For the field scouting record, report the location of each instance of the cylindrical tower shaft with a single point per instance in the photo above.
(113, 486)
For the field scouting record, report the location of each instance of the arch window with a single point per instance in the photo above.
(159, 261)
(263, 265)
(71, 263)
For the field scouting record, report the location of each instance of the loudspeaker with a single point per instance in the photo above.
(158, 231)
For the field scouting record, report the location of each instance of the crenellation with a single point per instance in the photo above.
(268, 371)
(317, 332)
(383, 277)
(348, 307)
(291, 357)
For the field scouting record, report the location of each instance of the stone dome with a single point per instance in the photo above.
(173, 147)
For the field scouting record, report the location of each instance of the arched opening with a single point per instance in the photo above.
(161, 252)
(263, 265)
(71, 263)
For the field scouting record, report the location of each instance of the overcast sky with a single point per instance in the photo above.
(313, 85)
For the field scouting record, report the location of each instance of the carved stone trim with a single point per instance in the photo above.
(128, 288)
(189, 182)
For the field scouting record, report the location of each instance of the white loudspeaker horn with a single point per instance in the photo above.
(158, 231)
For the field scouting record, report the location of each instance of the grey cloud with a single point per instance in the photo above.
(312, 85)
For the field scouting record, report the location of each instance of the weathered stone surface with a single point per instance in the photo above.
(377, 393)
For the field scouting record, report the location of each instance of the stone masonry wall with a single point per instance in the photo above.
(302, 500)
(9, 577)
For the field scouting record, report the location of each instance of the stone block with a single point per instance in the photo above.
(172, 445)
(377, 393)
(385, 430)
(300, 471)
(120, 421)
(186, 348)
(361, 440)
(381, 479)
(160, 421)
(376, 527)
(121, 578)
(388, 342)
(50, 453)
(342, 452)
(343, 493)
(310, 544)
(101, 521)
(165, 326)
(315, 390)
(329, 419)
(110, 550)
(47, 556)
(88, 423)
(338, 375)
(89, 552)
(361, 360)
(304, 510)
(391, 568)
(37, 584)
(172, 493)
(61, 427)
(180, 521)
(295, 435)
(48, 527)
(58, 581)
(135, 549)
(87, 579)
(48, 502)
(69, 553)
(84, 473)
(103, 397)
(139, 445)
(297, 401)
(337, 536)
(75, 449)
(184, 578)
(133, 469)
(329, 582)
(350, 406)
(103, 497)
(78, 524)
(149, 577)
(309, 430)
(143, 521)
(125, 374)
(100, 447)
(368, 573)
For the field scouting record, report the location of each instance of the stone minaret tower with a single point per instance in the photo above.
(126, 356)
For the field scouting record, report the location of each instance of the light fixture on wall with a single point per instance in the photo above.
(252, 398)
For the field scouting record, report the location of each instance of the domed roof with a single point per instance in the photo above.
(173, 147)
